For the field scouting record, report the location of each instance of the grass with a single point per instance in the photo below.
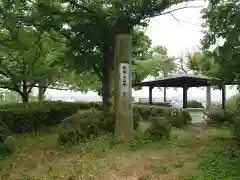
(194, 153)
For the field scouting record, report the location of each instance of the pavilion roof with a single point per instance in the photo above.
(179, 80)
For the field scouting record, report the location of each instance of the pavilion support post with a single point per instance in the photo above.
(185, 88)
(165, 94)
(223, 96)
(165, 74)
(150, 95)
(208, 97)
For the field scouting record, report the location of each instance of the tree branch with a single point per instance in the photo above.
(177, 9)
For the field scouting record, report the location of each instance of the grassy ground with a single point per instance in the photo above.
(196, 153)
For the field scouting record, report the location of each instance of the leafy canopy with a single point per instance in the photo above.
(222, 37)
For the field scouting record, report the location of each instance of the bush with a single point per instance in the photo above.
(236, 128)
(146, 111)
(8, 147)
(33, 116)
(218, 117)
(79, 127)
(194, 104)
(233, 102)
(159, 128)
(85, 124)
(4, 130)
(179, 117)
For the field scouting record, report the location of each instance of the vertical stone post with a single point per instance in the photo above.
(123, 87)
(208, 97)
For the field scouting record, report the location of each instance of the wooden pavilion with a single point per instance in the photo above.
(186, 81)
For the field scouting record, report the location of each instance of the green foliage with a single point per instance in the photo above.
(222, 23)
(87, 48)
(219, 161)
(33, 116)
(9, 97)
(219, 117)
(179, 117)
(160, 128)
(201, 63)
(194, 104)
(4, 130)
(140, 140)
(156, 65)
(236, 128)
(79, 127)
(85, 124)
(146, 111)
(8, 147)
(233, 102)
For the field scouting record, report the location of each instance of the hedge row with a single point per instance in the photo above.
(166, 104)
(178, 117)
(85, 124)
(33, 116)
(91, 123)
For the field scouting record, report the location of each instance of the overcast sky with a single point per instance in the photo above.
(178, 37)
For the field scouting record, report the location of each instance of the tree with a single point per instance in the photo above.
(201, 63)
(28, 57)
(7, 96)
(221, 37)
(93, 25)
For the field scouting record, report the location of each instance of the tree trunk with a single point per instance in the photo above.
(41, 92)
(25, 92)
(25, 97)
(107, 86)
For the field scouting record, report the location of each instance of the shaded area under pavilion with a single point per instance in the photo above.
(186, 81)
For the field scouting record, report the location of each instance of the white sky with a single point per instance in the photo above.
(178, 37)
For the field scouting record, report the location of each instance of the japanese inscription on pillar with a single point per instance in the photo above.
(124, 80)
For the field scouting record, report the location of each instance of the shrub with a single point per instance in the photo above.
(8, 147)
(218, 117)
(233, 102)
(194, 104)
(179, 117)
(71, 136)
(236, 128)
(4, 130)
(33, 116)
(79, 127)
(85, 124)
(146, 111)
(160, 128)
